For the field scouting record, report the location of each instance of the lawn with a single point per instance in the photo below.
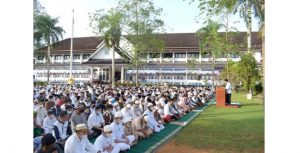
(223, 130)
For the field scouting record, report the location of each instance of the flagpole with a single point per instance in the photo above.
(71, 81)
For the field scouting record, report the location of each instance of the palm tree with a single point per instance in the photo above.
(46, 30)
(109, 26)
(211, 42)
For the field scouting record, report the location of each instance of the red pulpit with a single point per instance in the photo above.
(220, 97)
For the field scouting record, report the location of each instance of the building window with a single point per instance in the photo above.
(86, 56)
(66, 57)
(193, 55)
(206, 55)
(180, 55)
(57, 57)
(167, 55)
(154, 55)
(76, 57)
(40, 57)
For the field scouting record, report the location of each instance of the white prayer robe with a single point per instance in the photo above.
(76, 145)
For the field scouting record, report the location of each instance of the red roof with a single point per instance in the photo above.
(173, 42)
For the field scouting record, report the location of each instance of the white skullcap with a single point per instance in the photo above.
(107, 128)
(137, 102)
(128, 106)
(118, 114)
(150, 104)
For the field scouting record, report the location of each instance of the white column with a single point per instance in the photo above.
(148, 57)
(91, 73)
(98, 72)
(81, 58)
(186, 57)
(173, 54)
(160, 57)
(109, 74)
(102, 74)
(122, 73)
(200, 57)
(186, 74)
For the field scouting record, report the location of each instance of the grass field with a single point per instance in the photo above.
(224, 130)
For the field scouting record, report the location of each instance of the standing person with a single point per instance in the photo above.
(228, 92)
(105, 142)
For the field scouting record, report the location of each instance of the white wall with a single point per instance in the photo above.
(102, 54)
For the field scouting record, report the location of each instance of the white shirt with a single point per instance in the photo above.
(95, 120)
(117, 130)
(41, 113)
(162, 102)
(103, 142)
(75, 145)
(128, 114)
(168, 109)
(48, 124)
(228, 88)
(153, 123)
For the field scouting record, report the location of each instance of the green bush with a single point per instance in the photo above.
(40, 83)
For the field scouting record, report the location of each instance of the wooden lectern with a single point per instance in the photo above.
(221, 99)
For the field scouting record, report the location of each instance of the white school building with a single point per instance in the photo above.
(92, 61)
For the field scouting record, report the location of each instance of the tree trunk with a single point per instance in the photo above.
(249, 26)
(136, 75)
(263, 61)
(48, 64)
(213, 66)
(113, 67)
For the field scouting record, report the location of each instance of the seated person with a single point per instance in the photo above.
(62, 129)
(140, 125)
(96, 121)
(48, 123)
(127, 112)
(107, 115)
(78, 141)
(105, 142)
(129, 130)
(48, 145)
(121, 139)
(154, 125)
(169, 110)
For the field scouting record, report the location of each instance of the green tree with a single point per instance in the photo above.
(46, 30)
(248, 71)
(142, 26)
(108, 26)
(233, 70)
(211, 42)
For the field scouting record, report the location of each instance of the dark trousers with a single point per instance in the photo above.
(228, 98)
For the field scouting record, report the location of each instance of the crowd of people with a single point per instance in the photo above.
(67, 117)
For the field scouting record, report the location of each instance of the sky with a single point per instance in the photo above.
(179, 16)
